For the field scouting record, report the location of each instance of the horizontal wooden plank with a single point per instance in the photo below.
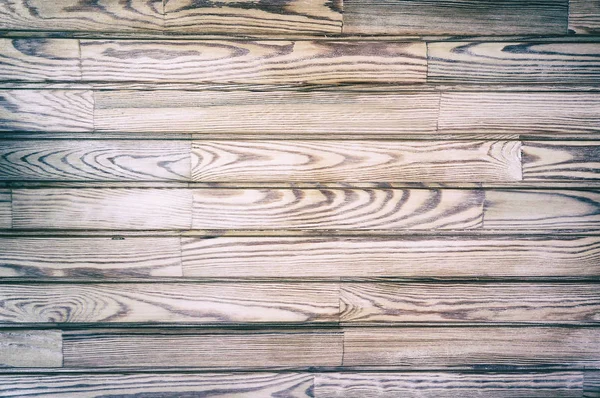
(243, 385)
(253, 61)
(97, 208)
(561, 160)
(31, 349)
(5, 208)
(538, 209)
(490, 302)
(352, 161)
(215, 303)
(448, 385)
(278, 112)
(591, 385)
(584, 17)
(522, 62)
(472, 347)
(90, 257)
(519, 113)
(84, 160)
(383, 209)
(296, 257)
(475, 17)
(236, 350)
(251, 17)
(46, 110)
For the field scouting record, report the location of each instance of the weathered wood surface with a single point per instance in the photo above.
(591, 385)
(31, 349)
(561, 160)
(5, 208)
(584, 17)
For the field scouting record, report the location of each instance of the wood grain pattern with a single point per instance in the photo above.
(336, 209)
(243, 385)
(31, 349)
(46, 110)
(475, 17)
(283, 112)
(584, 17)
(519, 113)
(254, 61)
(355, 161)
(85, 160)
(89, 257)
(216, 303)
(591, 385)
(542, 209)
(5, 208)
(297, 257)
(250, 17)
(238, 350)
(96, 208)
(472, 347)
(561, 160)
(448, 385)
(489, 303)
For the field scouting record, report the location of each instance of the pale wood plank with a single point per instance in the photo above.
(84, 160)
(561, 160)
(240, 61)
(31, 349)
(89, 257)
(584, 16)
(383, 209)
(5, 208)
(95, 208)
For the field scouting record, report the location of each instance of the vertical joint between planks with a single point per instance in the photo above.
(180, 256)
(80, 61)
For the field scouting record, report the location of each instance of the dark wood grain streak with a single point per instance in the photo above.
(5, 208)
(31, 349)
(584, 17)
(561, 160)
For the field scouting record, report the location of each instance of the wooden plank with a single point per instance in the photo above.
(591, 385)
(561, 160)
(448, 385)
(460, 302)
(31, 349)
(212, 349)
(96, 208)
(356, 161)
(75, 15)
(46, 110)
(269, 62)
(519, 113)
(5, 208)
(213, 303)
(84, 160)
(251, 17)
(472, 347)
(298, 257)
(277, 112)
(243, 385)
(551, 209)
(518, 62)
(383, 209)
(89, 257)
(584, 17)
(452, 17)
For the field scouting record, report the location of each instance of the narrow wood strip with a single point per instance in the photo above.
(46, 110)
(31, 349)
(90, 257)
(297, 161)
(95, 160)
(5, 208)
(253, 61)
(102, 208)
(236, 350)
(561, 160)
(584, 17)
(336, 209)
(472, 347)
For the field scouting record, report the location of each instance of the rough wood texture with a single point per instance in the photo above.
(89, 257)
(336, 209)
(523, 62)
(283, 112)
(31, 349)
(96, 208)
(297, 257)
(5, 208)
(355, 161)
(591, 385)
(448, 385)
(250, 17)
(537, 209)
(561, 160)
(95, 160)
(584, 16)
(474, 17)
(472, 347)
(238, 350)
(266, 62)
(46, 110)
